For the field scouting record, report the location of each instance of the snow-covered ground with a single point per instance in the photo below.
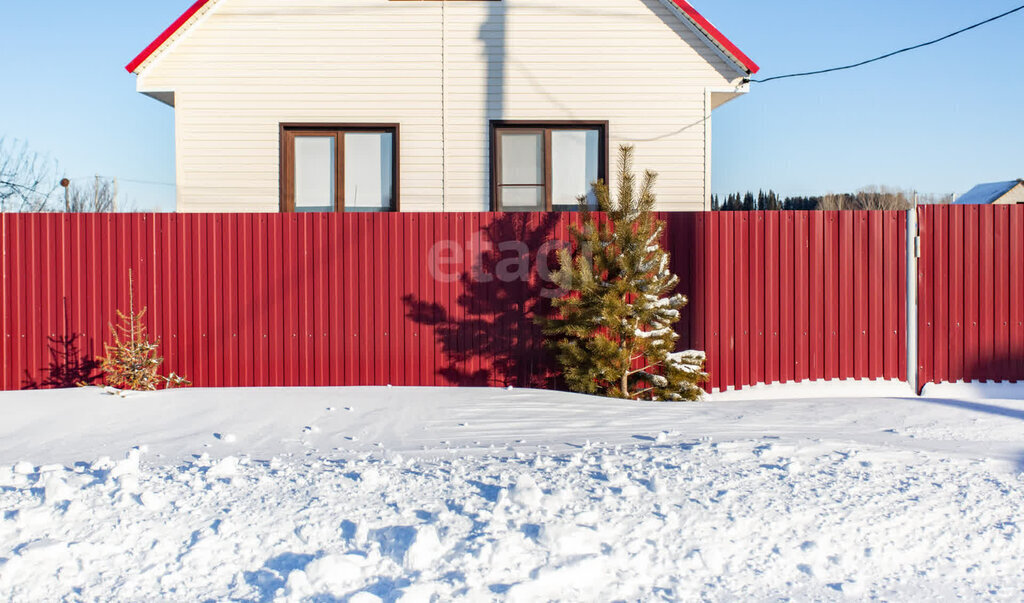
(360, 494)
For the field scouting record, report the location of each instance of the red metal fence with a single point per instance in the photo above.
(971, 293)
(792, 295)
(362, 299)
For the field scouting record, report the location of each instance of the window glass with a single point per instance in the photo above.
(314, 173)
(339, 167)
(522, 197)
(574, 165)
(554, 164)
(522, 158)
(368, 171)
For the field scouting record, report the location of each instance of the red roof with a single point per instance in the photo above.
(698, 19)
(716, 36)
(166, 35)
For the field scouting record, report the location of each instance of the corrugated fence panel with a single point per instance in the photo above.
(449, 299)
(971, 293)
(817, 295)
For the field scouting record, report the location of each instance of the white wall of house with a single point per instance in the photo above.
(246, 66)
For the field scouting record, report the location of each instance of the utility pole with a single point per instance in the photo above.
(114, 202)
(96, 194)
(67, 201)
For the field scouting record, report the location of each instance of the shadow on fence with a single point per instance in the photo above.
(490, 338)
(68, 366)
(1003, 367)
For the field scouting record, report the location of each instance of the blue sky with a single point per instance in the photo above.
(938, 120)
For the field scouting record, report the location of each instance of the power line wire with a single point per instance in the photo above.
(126, 180)
(148, 182)
(891, 54)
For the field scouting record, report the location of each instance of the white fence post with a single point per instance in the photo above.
(913, 252)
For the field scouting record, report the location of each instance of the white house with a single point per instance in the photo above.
(437, 105)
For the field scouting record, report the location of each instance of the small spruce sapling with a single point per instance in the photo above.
(612, 331)
(130, 362)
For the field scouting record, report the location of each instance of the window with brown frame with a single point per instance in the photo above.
(339, 167)
(545, 166)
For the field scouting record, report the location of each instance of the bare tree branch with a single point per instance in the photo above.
(97, 197)
(869, 197)
(27, 179)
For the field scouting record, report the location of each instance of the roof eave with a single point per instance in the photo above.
(721, 42)
(163, 38)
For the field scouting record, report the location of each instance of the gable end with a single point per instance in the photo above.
(711, 35)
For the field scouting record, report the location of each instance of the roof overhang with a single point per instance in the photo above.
(711, 35)
(176, 29)
(716, 39)
(719, 95)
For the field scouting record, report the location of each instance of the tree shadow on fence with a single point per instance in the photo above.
(488, 337)
(68, 366)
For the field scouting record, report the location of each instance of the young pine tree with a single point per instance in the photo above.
(130, 362)
(612, 332)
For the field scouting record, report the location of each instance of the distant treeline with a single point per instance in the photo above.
(763, 201)
(872, 197)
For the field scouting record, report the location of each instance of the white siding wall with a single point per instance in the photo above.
(249, 65)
